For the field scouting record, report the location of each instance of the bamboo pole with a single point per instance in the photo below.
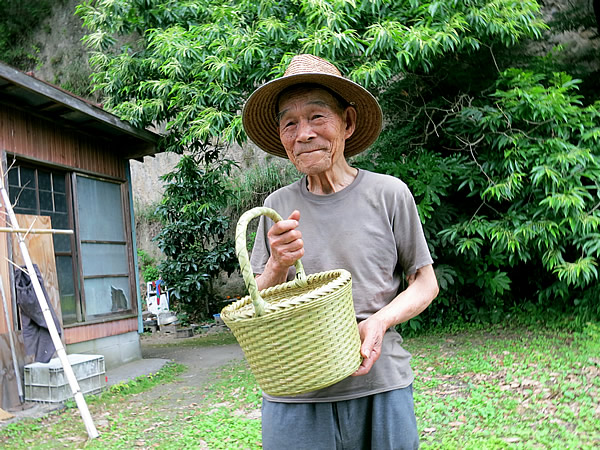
(33, 231)
(60, 350)
(12, 342)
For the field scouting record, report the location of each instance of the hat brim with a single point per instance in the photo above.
(259, 116)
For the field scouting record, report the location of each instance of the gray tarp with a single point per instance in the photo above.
(36, 336)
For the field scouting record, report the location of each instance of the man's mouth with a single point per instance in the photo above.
(306, 151)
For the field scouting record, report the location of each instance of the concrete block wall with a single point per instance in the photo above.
(117, 350)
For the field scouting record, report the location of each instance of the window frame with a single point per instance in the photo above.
(128, 248)
(70, 175)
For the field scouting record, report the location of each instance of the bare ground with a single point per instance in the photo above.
(201, 361)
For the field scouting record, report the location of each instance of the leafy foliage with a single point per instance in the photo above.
(198, 60)
(148, 266)
(18, 19)
(535, 169)
(193, 234)
(510, 199)
(194, 63)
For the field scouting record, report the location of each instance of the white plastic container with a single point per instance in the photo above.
(47, 382)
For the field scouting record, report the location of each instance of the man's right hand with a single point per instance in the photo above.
(287, 247)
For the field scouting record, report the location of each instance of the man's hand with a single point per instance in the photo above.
(286, 242)
(422, 289)
(371, 333)
(287, 247)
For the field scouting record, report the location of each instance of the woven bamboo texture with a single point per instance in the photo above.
(298, 336)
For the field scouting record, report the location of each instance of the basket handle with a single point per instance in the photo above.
(242, 254)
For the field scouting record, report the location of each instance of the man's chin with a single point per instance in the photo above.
(313, 167)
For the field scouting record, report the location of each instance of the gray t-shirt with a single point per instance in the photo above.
(372, 229)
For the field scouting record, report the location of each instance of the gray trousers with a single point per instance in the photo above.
(380, 422)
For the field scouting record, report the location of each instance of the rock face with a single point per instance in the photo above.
(574, 26)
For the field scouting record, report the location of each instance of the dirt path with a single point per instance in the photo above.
(199, 360)
(193, 384)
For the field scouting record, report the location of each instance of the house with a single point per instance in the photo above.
(68, 168)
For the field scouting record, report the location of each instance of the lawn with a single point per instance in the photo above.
(502, 387)
(508, 388)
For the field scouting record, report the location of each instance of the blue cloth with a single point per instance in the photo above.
(383, 421)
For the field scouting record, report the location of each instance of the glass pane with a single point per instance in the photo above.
(27, 177)
(106, 295)
(13, 192)
(66, 288)
(60, 202)
(104, 259)
(44, 181)
(27, 199)
(46, 204)
(100, 210)
(59, 220)
(31, 212)
(58, 182)
(13, 177)
(62, 242)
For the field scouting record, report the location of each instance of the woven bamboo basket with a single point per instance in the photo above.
(298, 336)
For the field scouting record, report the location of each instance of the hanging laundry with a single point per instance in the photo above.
(36, 336)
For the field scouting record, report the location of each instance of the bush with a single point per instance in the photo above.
(148, 266)
(193, 236)
(510, 198)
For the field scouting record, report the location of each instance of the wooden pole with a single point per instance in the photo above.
(60, 350)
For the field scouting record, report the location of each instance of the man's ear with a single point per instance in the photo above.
(350, 119)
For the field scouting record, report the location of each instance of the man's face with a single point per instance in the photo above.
(313, 129)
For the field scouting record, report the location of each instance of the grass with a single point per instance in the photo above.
(516, 387)
(65, 428)
(508, 388)
(202, 340)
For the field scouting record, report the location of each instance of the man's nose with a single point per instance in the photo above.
(305, 131)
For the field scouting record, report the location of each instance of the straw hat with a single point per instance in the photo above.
(260, 111)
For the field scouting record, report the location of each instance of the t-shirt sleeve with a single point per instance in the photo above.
(413, 252)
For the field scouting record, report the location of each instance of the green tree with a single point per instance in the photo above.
(193, 236)
(534, 180)
(194, 63)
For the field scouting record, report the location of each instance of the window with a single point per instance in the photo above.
(103, 246)
(97, 282)
(41, 192)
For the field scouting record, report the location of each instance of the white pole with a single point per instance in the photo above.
(60, 350)
(33, 231)
(12, 342)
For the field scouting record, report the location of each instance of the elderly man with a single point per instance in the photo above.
(341, 217)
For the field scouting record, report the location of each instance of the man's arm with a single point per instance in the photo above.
(422, 289)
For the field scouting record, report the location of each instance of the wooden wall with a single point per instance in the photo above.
(45, 141)
(100, 330)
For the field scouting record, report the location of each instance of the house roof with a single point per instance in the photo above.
(43, 99)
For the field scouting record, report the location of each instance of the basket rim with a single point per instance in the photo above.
(233, 313)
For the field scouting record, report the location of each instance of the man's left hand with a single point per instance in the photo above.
(371, 333)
